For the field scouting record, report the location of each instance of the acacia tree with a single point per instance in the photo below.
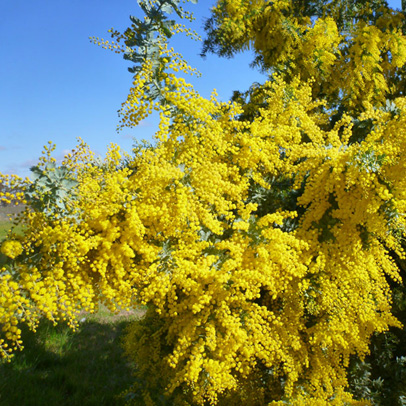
(260, 233)
(382, 376)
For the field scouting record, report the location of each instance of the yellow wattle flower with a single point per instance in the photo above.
(11, 248)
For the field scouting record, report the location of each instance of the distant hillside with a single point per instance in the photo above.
(10, 209)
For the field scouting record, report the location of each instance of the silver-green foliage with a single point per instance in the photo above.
(52, 188)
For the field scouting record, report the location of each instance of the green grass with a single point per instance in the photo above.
(5, 226)
(61, 367)
(65, 368)
(5, 222)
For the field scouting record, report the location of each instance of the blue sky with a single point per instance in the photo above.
(55, 85)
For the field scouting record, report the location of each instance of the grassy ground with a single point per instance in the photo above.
(5, 221)
(5, 226)
(65, 368)
(59, 367)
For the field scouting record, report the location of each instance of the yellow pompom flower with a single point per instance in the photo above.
(11, 248)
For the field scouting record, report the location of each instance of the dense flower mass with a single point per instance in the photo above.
(261, 243)
(355, 51)
(11, 248)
